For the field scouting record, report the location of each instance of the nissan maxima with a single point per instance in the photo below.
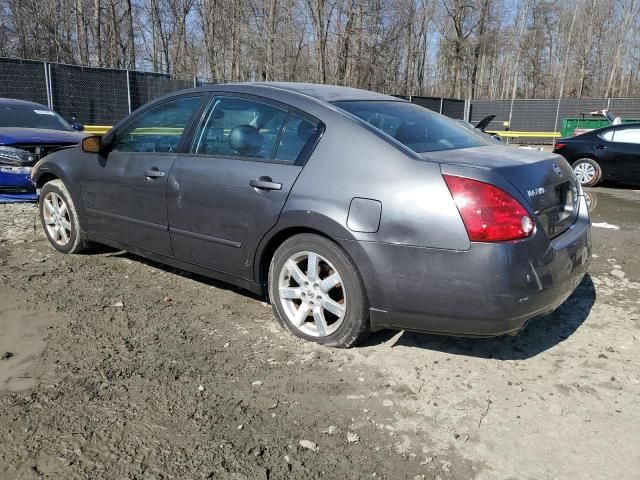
(351, 210)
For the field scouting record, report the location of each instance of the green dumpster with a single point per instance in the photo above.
(570, 124)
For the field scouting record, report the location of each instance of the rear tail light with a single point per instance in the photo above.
(558, 146)
(489, 213)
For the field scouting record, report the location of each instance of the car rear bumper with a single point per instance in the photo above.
(489, 290)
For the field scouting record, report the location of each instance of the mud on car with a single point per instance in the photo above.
(353, 211)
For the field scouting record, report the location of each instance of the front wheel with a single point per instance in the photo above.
(587, 171)
(60, 218)
(317, 293)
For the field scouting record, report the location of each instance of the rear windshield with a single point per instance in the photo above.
(414, 126)
(29, 117)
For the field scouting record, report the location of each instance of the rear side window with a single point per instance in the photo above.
(297, 134)
(627, 135)
(159, 129)
(608, 135)
(240, 127)
(415, 127)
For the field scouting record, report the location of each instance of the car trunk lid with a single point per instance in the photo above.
(544, 179)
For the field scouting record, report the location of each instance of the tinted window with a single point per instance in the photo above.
(627, 135)
(28, 117)
(295, 137)
(158, 129)
(240, 127)
(415, 127)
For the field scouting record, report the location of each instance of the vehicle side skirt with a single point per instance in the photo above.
(253, 287)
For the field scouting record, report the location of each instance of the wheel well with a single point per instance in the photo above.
(277, 240)
(588, 156)
(46, 177)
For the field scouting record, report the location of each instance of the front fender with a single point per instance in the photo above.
(67, 166)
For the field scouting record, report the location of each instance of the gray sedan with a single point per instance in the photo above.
(353, 211)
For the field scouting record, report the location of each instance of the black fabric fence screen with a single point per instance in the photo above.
(100, 96)
(24, 80)
(91, 96)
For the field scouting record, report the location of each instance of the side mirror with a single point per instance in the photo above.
(77, 126)
(92, 144)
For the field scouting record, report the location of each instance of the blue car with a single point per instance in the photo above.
(28, 132)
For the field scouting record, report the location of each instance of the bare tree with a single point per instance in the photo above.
(461, 48)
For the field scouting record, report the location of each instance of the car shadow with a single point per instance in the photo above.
(541, 334)
(183, 273)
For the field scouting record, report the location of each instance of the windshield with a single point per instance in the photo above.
(412, 125)
(28, 117)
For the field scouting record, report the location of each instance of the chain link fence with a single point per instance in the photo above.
(450, 107)
(24, 80)
(546, 115)
(92, 96)
(100, 96)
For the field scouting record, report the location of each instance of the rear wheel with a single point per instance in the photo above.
(587, 171)
(317, 293)
(60, 218)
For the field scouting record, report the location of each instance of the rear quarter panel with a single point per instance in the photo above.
(351, 161)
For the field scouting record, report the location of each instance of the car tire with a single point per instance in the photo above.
(59, 218)
(587, 172)
(326, 304)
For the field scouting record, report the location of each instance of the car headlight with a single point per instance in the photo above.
(15, 156)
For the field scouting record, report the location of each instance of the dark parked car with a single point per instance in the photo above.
(354, 211)
(28, 132)
(609, 153)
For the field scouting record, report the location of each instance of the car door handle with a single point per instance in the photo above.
(601, 147)
(265, 183)
(153, 173)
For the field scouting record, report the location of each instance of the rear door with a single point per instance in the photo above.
(228, 191)
(124, 189)
(624, 153)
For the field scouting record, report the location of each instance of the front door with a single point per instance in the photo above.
(124, 189)
(229, 190)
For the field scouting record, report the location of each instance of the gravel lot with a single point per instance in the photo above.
(115, 367)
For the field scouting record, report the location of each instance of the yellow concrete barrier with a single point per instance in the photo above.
(102, 129)
(97, 129)
(512, 134)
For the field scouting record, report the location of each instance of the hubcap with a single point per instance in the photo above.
(584, 172)
(312, 294)
(56, 218)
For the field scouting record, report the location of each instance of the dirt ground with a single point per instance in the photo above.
(115, 367)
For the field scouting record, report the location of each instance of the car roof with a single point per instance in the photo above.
(623, 125)
(21, 103)
(324, 93)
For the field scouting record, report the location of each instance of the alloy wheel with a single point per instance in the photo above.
(312, 294)
(57, 219)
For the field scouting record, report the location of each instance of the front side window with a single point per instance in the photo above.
(415, 127)
(240, 127)
(627, 135)
(159, 129)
